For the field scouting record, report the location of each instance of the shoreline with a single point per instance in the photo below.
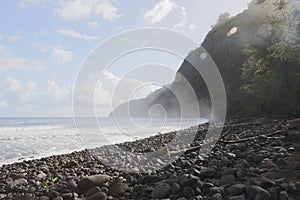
(255, 158)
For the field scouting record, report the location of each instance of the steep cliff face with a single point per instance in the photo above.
(225, 44)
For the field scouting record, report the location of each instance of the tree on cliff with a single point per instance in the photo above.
(271, 73)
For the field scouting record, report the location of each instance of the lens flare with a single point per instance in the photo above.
(232, 31)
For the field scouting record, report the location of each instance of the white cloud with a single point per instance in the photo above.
(61, 56)
(159, 11)
(78, 9)
(10, 62)
(1, 37)
(17, 94)
(72, 33)
(184, 22)
(93, 24)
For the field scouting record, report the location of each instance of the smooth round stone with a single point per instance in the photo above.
(188, 192)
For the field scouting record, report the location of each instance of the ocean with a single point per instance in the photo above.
(33, 138)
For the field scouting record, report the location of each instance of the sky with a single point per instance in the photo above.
(43, 44)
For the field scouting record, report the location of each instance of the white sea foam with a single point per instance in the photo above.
(35, 138)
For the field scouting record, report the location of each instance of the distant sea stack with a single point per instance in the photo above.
(225, 43)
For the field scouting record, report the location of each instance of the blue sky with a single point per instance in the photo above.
(43, 43)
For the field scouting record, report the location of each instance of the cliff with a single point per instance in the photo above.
(225, 43)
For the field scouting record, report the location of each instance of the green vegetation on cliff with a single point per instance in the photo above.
(271, 73)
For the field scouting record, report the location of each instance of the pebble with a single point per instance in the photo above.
(243, 171)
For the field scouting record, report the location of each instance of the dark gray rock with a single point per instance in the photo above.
(283, 195)
(91, 181)
(67, 196)
(117, 189)
(216, 196)
(93, 191)
(236, 189)
(291, 188)
(71, 164)
(281, 162)
(189, 181)
(207, 173)
(188, 192)
(175, 188)
(214, 190)
(263, 195)
(227, 180)
(43, 198)
(162, 190)
(298, 186)
(72, 184)
(58, 198)
(253, 191)
(98, 196)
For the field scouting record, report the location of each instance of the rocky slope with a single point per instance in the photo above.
(256, 159)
